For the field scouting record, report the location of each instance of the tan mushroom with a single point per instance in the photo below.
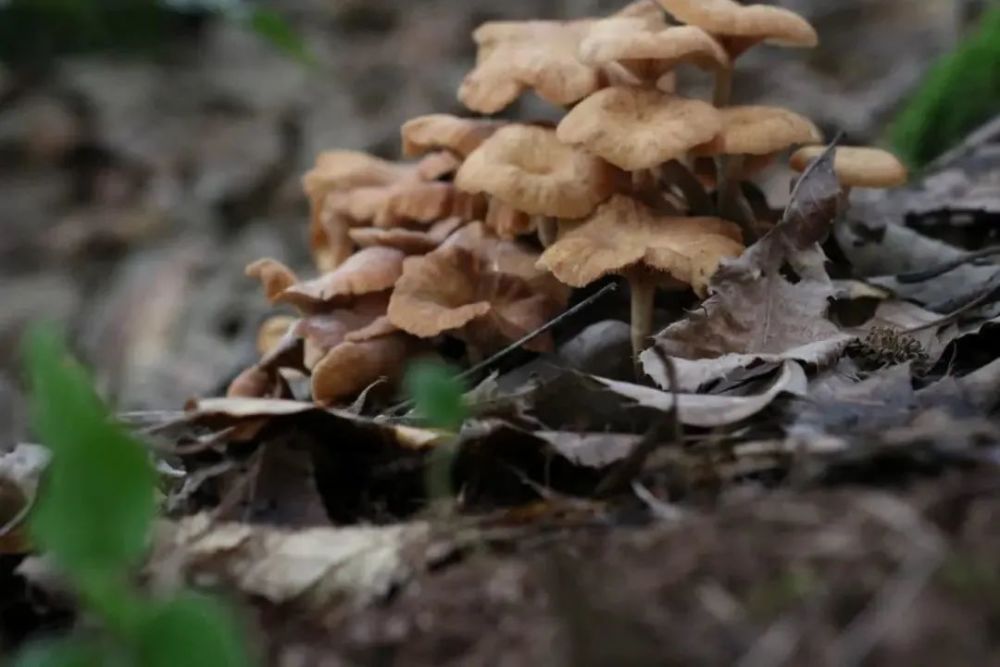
(460, 136)
(368, 271)
(744, 25)
(857, 167)
(536, 55)
(752, 130)
(646, 53)
(529, 169)
(351, 367)
(481, 289)
(408, 240)
(625, 237)
(273, 275)
(636, 129)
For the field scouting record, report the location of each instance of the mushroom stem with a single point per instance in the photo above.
(731, 202)
(548, 230)
(642, 290)
(676, 174)
(723, 94)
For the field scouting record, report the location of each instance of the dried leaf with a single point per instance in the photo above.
(313, 569)
(710, 410)
(756, 313)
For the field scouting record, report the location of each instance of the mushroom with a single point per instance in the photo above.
(460, 136)
(627, 238)
(368, 271)
(354, 365)
(529, 169)
(273, 275)
(752, 130)
(856, 167)
(639, 129)
(739, 27)
(482, 289)
(340, 171)
(647, 53)
(517, 56)
(409, 241)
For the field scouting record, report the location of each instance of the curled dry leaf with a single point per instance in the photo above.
(711, 410)
(634, 128)
(755, 313)
(313, 569)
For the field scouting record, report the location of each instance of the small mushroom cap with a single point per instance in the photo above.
(351, 367)
(538, 55)
(529, 169)
(635, 128)
(507, 222)
(857, 166)
(258, 382)
(346, 170)
(410, 241)
(368, 271)
(321, 333)
(614, 40)
(428, 202)
(444, 131)
(272, 331)
(760, 130)
(623, 234)
(646, 10)
(273, 275)
(766, 23)
(484, 290)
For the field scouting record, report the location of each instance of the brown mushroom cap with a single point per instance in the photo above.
(410, 241)
(368, 271)
(346, 170)
(485, 290)
(857, 166)
(436, 131)
(273, 275)
(272, 331)
(507, 222)
(760, 130)
(623, 234)
(349, 368)
(529, 169)
(538, 55)
(616, 40)
(258, 382)
(774, 25)
(635, 128)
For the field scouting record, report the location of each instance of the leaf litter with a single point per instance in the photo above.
(814, 460)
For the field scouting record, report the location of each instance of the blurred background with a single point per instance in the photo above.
(149, 149)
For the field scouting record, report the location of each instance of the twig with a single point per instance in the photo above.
(988, 295)
(921, 276)
(513, 347)
(488, 363)
(985, 134)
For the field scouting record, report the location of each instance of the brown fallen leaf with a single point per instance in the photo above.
(712, 410)
(756, 313)
(314, 569)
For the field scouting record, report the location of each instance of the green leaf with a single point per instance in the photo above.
(69, 652)
(960, 93)
(97, 500)
(193, 631)
(437, 392)
(273, 27)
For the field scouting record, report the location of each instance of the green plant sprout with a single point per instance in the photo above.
(93, 517)
(437, 393)
(960, 93)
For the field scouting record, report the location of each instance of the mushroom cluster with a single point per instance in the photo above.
(483, 234)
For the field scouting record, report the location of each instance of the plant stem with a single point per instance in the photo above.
(643, 291)
(548, 231)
